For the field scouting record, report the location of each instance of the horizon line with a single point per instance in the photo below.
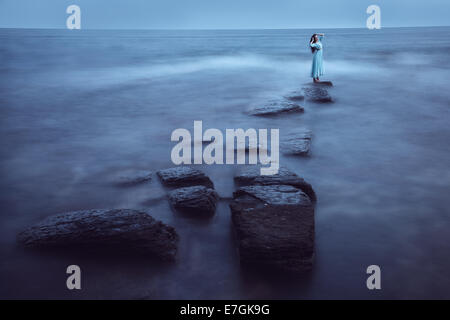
(214, 29)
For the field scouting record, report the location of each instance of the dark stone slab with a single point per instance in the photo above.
(295, 96)
(184, 177)
(298, 143)
(196, 201)
(252, 176)
(130, 230)
(323, 83)
(274, 225)
(317, 94)
(276, 107)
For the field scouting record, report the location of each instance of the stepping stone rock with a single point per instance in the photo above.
(130, 230)
(323, 83)
(274, 225)
(184, 177)
(317, 94)
(251, 144)
(252, 176)
(131, 177)
(273, 108)
(295, 96)
(298, 144)
(196, 201)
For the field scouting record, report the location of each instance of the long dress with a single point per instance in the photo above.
(317, 63)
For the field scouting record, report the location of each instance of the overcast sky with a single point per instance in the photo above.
(221, 14)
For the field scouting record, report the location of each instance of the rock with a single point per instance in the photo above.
(297, 143)
(251, 176)
(295, 96)
(323, 83)
(184, 177)
(251, 144)
(197, 200)
(276, 107)
(131, 177)
(274, 226)
(317, 94)
(125, 229)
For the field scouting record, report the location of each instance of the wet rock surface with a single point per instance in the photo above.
(131, 230)
(276, 107)
(323, 83)
(251, 176)
(251, 145)
(295, 96)
(298, 144)
(274, 226)
(195, 201)
(317, 94)
(183, 177)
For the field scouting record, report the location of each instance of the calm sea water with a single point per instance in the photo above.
(76, 107)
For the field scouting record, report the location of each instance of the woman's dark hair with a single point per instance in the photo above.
(313, 40)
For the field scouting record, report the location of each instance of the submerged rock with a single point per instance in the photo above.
(274, 226)
(126, 229)
(251, 144)
(295, 96)
(184, 177)
(316, 94)
(252, 176)
(196, 200)
(131, 177)
(276, 107)
(323, 83)
(297, 143)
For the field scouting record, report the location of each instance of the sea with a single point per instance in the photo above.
(77, 107)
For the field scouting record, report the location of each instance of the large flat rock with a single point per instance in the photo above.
(131, 230)
(323, 83)
(276, 107)
(297, 143)
(184, 177)
(196, 201)
(317, 94)
(295, 96)
(252, 176)
(274, 225)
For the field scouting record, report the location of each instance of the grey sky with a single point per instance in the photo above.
(221, 14)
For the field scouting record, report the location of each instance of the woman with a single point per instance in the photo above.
(317, 63)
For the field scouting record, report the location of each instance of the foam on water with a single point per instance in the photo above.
(98, 78)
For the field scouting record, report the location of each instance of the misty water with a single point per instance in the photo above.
(77, 107)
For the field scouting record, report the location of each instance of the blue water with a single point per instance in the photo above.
(78, 106)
